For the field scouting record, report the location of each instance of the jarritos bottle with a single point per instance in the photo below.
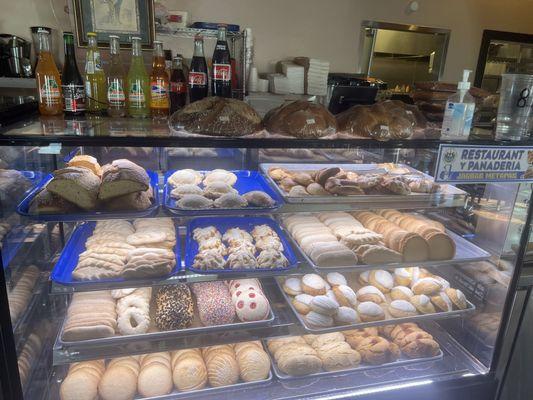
(221, 76)
(72, 87)
(178, 85)
(95, 81)
(47, 77)
(116, 88)
(198, 72)
(159, 83)
(138, 83)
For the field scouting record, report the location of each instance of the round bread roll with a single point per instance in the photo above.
(222, 370)
(119, 382)
(254, 364)
(155, 379)
(190, 373)
(79, 385)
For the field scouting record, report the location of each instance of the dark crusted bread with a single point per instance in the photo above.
(76, 185)
(46, 202)
(122, 177)
(300, 119)
(137, 201)
(217, 116)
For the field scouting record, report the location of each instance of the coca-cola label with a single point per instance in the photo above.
(115, 93)
(178, 87)
(49, 91)
(159, 93)
(197, 78)
(222, 72)
(74, 98)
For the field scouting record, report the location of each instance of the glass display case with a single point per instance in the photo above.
(144, 265)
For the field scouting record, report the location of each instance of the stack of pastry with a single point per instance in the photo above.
(28, 357)
(237, 249)
(21, 293)
(83, 184)
(367, 244)
(318, 241)
(194, 190)
(156, 374)
(410, 245)
(133, 310)
(90, 315)
(374, 349)
(412, 341)
(248, 298)
(118, 248)
(440, 244)
(338, 182)
(486, 326)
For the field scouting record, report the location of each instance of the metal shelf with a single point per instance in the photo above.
(192, 32)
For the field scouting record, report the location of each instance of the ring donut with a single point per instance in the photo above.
(133, 321)
(133, 301)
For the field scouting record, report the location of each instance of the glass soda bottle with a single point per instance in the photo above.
(48, 79)
(95, 81)
(116, 94)
(198, 72)
(159, 82)
(178, 85)
(138, 83)
(221, 76)
(72, 86)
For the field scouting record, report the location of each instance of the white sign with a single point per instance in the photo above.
(477, 164)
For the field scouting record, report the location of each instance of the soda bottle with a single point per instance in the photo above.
(116, 96)
(168, 61)
(198, 72)
(47, 77)
(159, 82)
(138, 83)
(95, 81)
(221, 77)
(178, 85)
(73, 88)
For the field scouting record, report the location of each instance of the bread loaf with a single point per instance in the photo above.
(46, 202)
(76, 185)
(300, 119)
(86, 161)
(122, 177)
(217, 116)
(133, 201)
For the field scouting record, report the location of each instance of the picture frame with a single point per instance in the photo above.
(124, 18)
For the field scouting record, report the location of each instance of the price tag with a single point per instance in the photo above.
(52, 148)
(481, 164)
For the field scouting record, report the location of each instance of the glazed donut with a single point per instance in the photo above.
(133, 301)
(133, 321)
(119, 293)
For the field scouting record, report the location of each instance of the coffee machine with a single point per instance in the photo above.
(15, 56)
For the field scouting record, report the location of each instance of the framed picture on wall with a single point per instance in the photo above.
(124, 18)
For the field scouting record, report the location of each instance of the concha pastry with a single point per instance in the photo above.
(258, 198)
(194, 202)
(231, 200)
(272, 258)
(181, 190)
(241, 260)
(185, 176)
(208, 260)
(220, 175)
(216, 189)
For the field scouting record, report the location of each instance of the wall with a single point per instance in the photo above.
(327, 29)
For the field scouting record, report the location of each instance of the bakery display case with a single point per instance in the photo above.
(141, 262)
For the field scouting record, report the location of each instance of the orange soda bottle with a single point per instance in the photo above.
(159, 83)
(48, 79)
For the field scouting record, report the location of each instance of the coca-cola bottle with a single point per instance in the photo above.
(198, 72)
(178, 85)
(221, 80)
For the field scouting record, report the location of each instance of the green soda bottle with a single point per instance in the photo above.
(138, 83)
(95, 80)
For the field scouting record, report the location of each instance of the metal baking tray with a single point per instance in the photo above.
(225, 223)
(399, 363)
(447, 192)
(207, 391)
(465, 252)
(151, 336)
(62, 272)
(24, 206)
(246, 182)
(360, 325)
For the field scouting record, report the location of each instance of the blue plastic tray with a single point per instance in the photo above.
(246, 182)
(225, 223)
(68, 260)
(24, 206)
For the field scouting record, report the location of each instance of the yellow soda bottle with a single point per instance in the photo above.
(138, 83)
(95, 80)
(48, 80)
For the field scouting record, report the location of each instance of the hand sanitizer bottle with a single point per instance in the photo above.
(459, 112)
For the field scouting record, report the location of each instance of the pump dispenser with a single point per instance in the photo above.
(459, 111)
